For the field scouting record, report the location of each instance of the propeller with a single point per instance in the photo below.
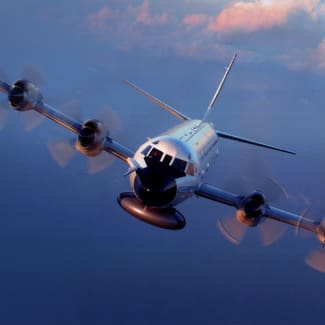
(305, 213)
(254, 181)
(62, 151)
(315, 258)
(269, 230)
(31, 119)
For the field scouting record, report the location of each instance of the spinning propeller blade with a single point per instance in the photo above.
(270, 230)
(99, 163)
(63, 151)
(31, 119)
(34, 73)
(316, 259)
(231, 229)
(111, 119)
(73, 109)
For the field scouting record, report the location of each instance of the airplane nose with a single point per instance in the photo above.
(154, 187)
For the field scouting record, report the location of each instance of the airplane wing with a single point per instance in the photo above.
(255, 206)
(24, 95)
(117, 149)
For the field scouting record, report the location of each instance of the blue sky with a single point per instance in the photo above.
(69, 254)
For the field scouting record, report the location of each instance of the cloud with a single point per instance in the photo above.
(127, 27)
(261, 14)
(144, 16)
(195, 20)
(201, 50)
(162, 30)
(141, 15)
(99, 19)
(306, 59)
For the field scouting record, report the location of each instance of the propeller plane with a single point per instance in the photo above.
(169, 168)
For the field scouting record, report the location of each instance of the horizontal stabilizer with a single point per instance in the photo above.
(219, 88)
(255, 143)
(157, 101)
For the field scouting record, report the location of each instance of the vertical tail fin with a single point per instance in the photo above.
(219, 88)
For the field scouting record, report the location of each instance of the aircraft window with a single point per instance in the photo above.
(155, 154)
(167, 160)
(146, 150)
(179, 164)
(190, 169)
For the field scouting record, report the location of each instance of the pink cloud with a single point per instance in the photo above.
(195, 20)
(146, 18)
(260, 14)
(99, 19)
(312, 58)
(142, 26)
(320, 55)
(200, 50)
(306, 59)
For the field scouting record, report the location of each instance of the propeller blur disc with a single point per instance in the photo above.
(231, 229)
(73, 109)
(109, 118)
(99, 163)
(271, 231)
(61, 151)
(32, 119)
(316, 260)
(34, 74)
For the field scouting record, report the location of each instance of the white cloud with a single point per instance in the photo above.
(161, 30)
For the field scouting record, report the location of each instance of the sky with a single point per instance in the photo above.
(69, 254)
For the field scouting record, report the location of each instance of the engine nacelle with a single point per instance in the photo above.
(251, 209)
(24, 95)
(167, 218)
(320, 232)
(91, 138)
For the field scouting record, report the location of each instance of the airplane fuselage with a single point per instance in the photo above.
(182, 154)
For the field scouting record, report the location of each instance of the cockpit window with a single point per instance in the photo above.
(190, 169)
(167, 160)
(155, 154)
(179, 164)
(146, 150)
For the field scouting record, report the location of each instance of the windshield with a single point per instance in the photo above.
(155, 154)
(156, 157)
(179, 164)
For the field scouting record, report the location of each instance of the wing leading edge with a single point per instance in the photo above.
(218, 195)
(24, 95)
(109, 144)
